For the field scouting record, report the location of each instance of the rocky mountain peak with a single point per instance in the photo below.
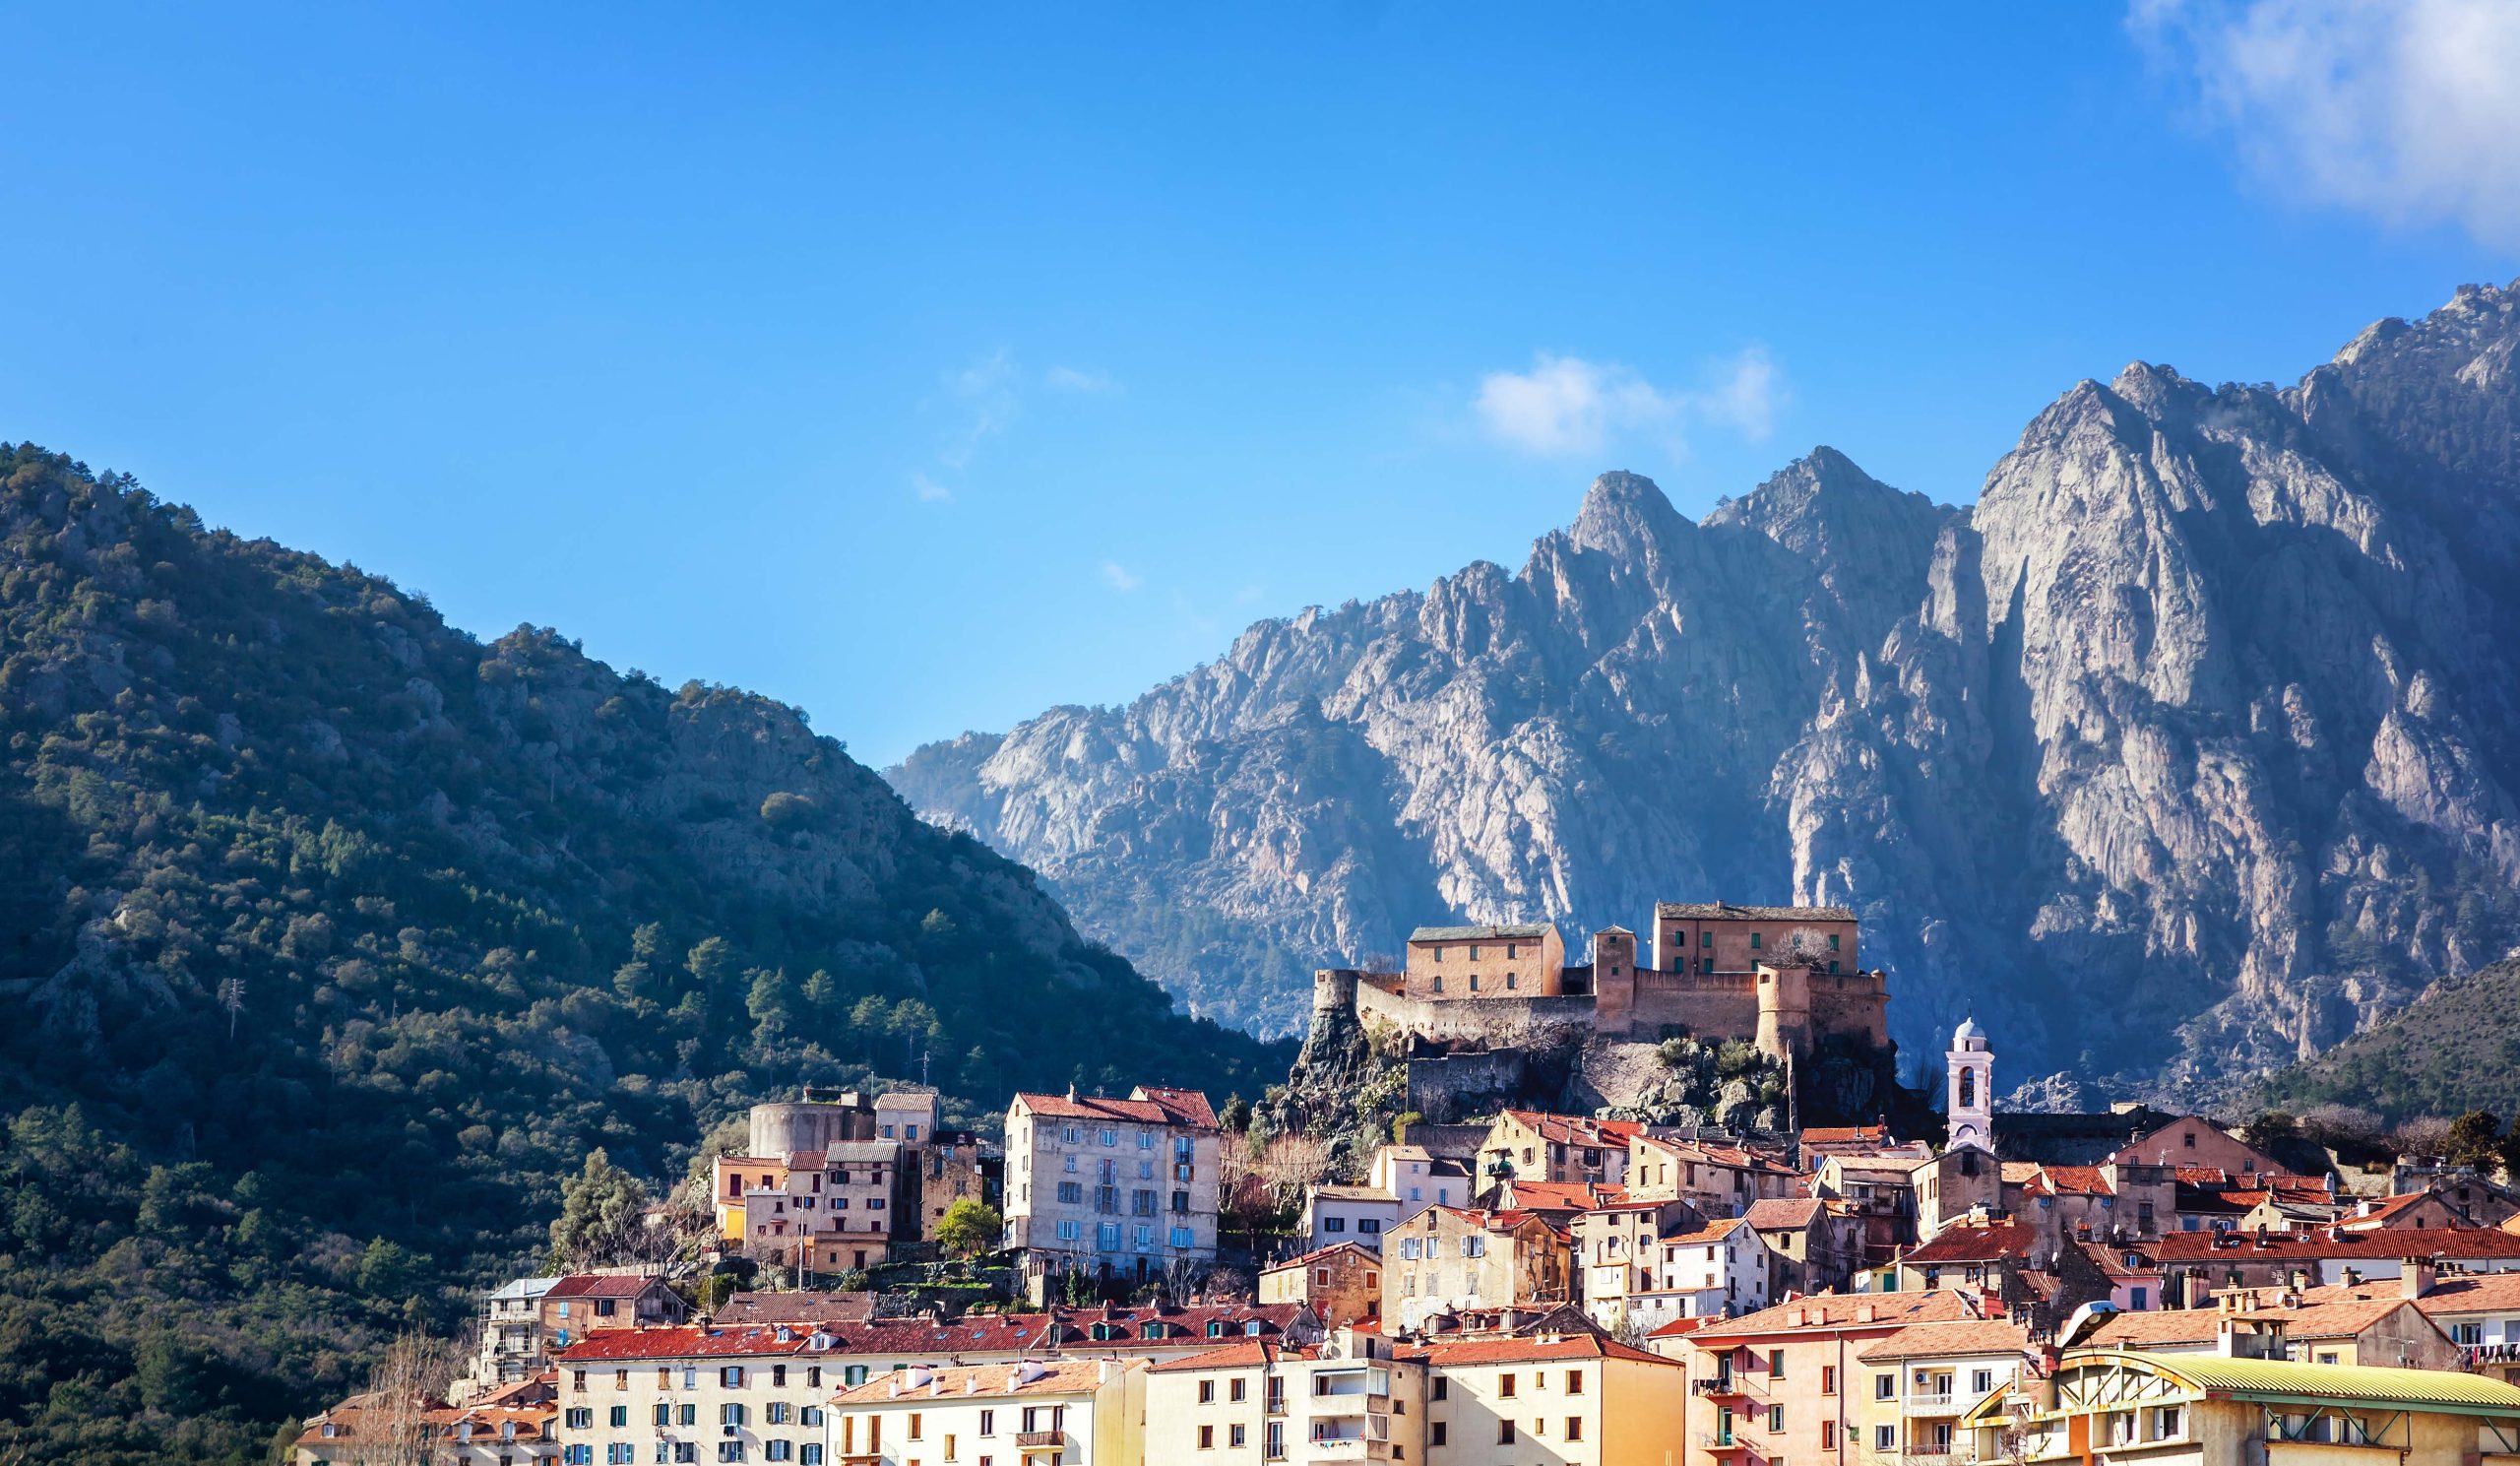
(1624, 512)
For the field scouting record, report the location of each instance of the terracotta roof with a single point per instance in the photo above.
(1557, 1195)
(1844, 1136)
(2332, 1320)
(1740, 1159)
(797, 1308)
(2404, 1242)
(601, 1285)
(1706, 1232)
(2475, 1293)
(1974, 1244)
(1149, 1106)
(1530, 930)
(1443, 1355)
(1839, 1309)
(923, 1337)
(1317, 1253)
(1780, 1214)
(683, 1342)
(1353, 1193)
(1954, 1336)
(1701, 911)
(1242, 1355)
(2153, 1328)
(1578, 1130)
(1056, 1377)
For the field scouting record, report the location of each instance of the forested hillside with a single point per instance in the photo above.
(331, 939)
(2454, 1051)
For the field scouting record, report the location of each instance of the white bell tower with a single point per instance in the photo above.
(1970, 1098)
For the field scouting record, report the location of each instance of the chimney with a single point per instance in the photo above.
(2415, 1277)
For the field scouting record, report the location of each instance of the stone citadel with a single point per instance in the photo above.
(1780, 976)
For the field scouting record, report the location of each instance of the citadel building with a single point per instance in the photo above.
(1781, 977)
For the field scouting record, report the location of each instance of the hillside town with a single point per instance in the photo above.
(1146, 1279)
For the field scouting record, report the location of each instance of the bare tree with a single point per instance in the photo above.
(1292, 1163)
(2423, 1137)
(1802, 947)
(407, 1385)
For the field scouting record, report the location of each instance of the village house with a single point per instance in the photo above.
(1341, 1283)
(1646, 1263)
(1814, 1245)
(1124, 1188)
(826, 1210)
(1338, 1214)
(2106, 1403)
(1530, 1145)
(1446, 1259)
(509, 1344)
(1417, 1179)
(1881, 1193)
(1779, 1384)
(1070, 1412)
(762, 1387)
(1915, 1386)
(1248, 1403)
(577, 1305)
(2478, 1313)
(362, 1429)
(2199, 1264)
(1719, 1180)
(1816, 1143)
(1563, 1399)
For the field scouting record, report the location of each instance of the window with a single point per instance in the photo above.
(1436, 1432)
(1235, 1389)
(988, 1421)
(1334, 1223)
(1107, 1236)
(580, 1420)
(1440, 1388)
(1505, 1386)
(1776, 1419)
(730, 1415)
(1885, 1438)
(1833, 941)
(774, 1413)
(2166, 1423)
(777, 1450)
(1207, 1438)
(1505, 1432)
(1754, 941)
(618, 1417)
(731, 1377)
(915, 1425)
(1237, 1437)
(730, 1450)
(1206, 1391)
(1574, 1427)
(1776, 1363)
(1981, 1380)
(1181, 1237)
(1828, 1379)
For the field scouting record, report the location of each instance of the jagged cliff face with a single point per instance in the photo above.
(2186, 750)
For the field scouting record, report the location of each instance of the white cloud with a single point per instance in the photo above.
(1119, 578)
(985, 391)
(1076, 380)
(2408, 110)
(929, 491)
(1566, 406)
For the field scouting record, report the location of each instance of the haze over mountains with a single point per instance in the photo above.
(2187, 751)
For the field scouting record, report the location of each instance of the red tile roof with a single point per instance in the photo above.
(1951, 1336)
(601, 1285)
(1778, 1214)
(1520, 1351)
(1149, 1106)
(1974, 1244)
(1841, 1311)
(2404, 1242)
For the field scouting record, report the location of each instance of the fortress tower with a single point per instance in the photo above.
(1785, 1011)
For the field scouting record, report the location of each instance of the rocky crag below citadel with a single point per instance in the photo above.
(2187, 751)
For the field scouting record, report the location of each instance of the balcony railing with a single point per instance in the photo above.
(1034, 1442)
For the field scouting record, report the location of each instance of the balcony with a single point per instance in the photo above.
(1041, 1442)
(1739, 1382)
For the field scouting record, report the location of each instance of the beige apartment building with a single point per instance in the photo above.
(1561, 1400)
(1915, 1385)
(1465, 962)
(1782, 1383)
(1028, 1413)
(1341, 1283)
(1115, 1187)
(1720, 1180)
(1254, 1403)
(1449, 1260)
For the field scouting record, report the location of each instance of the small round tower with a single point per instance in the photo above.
(1785, 1011)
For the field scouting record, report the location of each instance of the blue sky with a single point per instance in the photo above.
(928, 367)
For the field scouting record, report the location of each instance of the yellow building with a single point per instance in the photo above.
(2208, 1410)
(1035, 1412)
(1571, 1400)
(1254, 1402)
(1913, 1387)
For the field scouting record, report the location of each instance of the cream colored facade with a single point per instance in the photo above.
(1253, 1404)
(1575, 1401)
(1446, 1259)
(1072, 1413)
(753, 1390)
(1117, 1187)
(1913, 1387)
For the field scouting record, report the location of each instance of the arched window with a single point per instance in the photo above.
(1968, 1089)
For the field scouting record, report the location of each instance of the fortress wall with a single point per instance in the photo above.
(1851, 1004)
(1487, 1019)
(1443, 1087)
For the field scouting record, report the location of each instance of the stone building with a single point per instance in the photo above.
(1122, 1188)
(1782, 977)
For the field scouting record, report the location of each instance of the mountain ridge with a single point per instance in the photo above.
(2201, 702)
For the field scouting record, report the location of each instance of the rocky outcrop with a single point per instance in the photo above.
(2187, 751)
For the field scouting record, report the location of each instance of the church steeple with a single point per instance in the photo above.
(1969, 1099)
